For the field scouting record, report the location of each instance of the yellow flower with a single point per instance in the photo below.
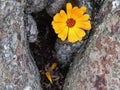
(48, 75)
(53, 66)
(72, 23)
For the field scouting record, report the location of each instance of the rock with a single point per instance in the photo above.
(65, 51)
(54, 6)
(18, 70)
(98, 68)
(86, 3)
(35, 5)
(31, 28)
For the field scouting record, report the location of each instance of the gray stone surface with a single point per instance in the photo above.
(35, 5)
(31, 28)
(54, 6)
(18, 70)
(99, 67)
(65, 50)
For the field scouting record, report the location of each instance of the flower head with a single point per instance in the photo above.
(49, 72)
(53, 66)
(48, 75)
(72, 23)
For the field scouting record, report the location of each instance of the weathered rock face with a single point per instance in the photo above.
(54, 6)
(66, 50)
(51, 6)
(99, 67)
(17, 68)
(35, 5)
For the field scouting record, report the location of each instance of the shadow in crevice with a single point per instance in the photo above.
(44, 53)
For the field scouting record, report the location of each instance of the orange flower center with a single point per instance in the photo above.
(70, 22)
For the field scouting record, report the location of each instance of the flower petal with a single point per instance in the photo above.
(57, 17)
(75, 10)
(85, 17)
(83, 9)
(72, 37)
(48, 75)
(63, 15)
(60, 17)
(86, 25)
(53, 66)
(80, 33)
(76, 13)
(58, 27)
(63, 34)
(68, 9)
